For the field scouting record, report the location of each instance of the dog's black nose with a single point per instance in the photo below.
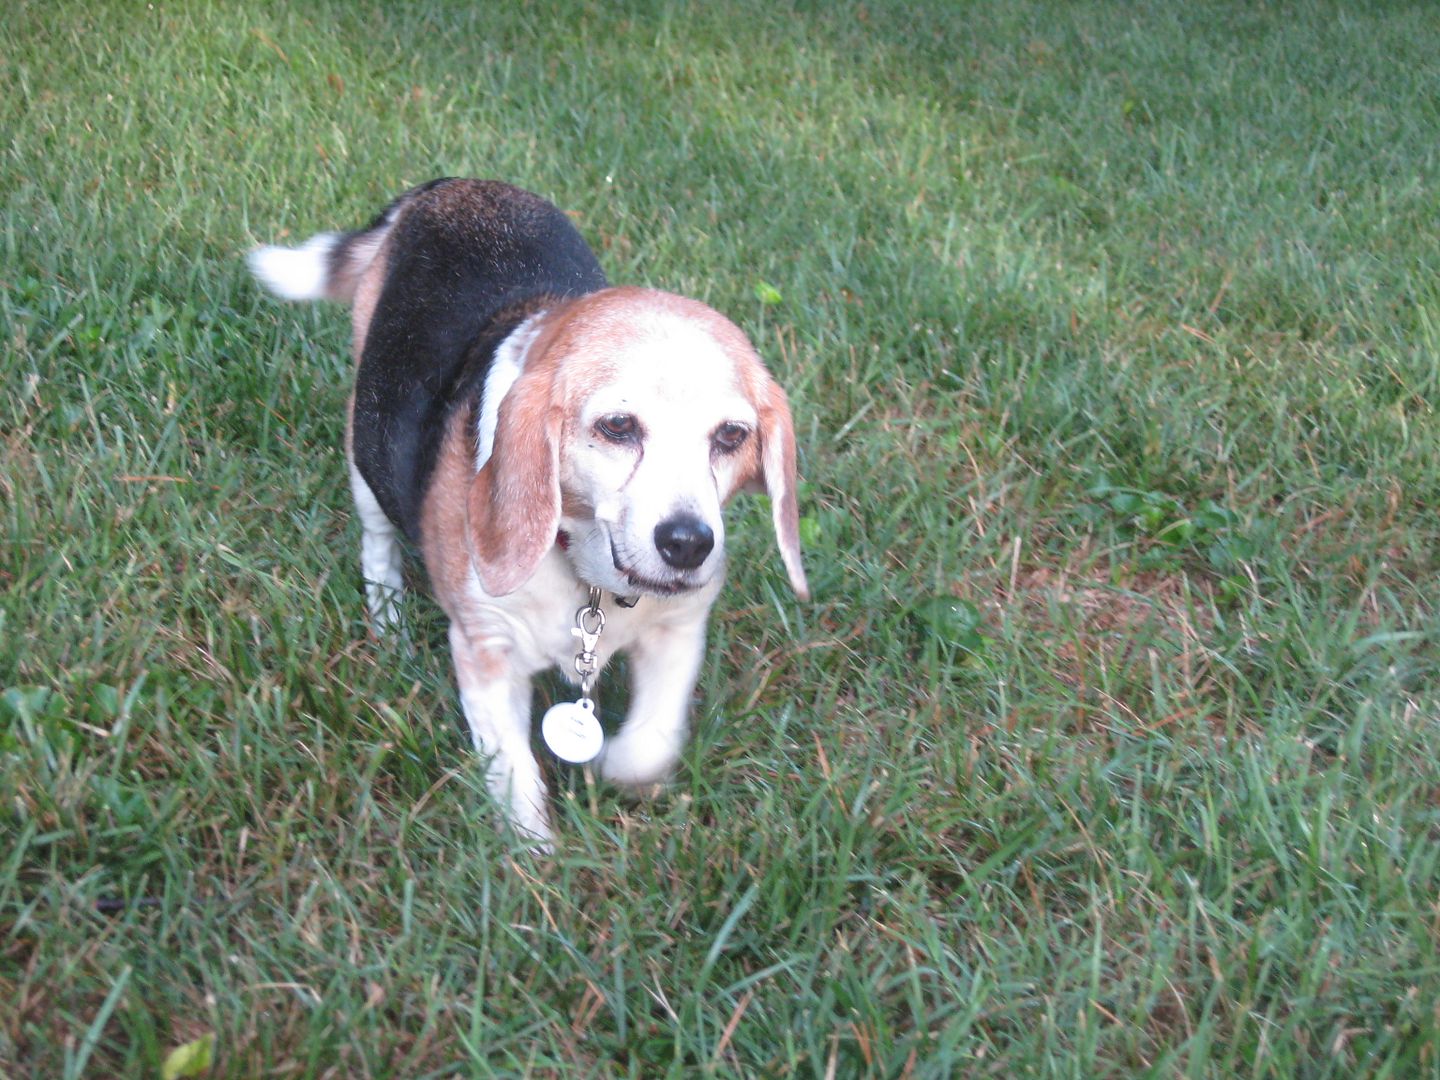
(684, 541)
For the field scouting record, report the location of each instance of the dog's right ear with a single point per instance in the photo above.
(513, 508)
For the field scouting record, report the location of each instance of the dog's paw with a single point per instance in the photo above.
(641, 765)
(532, 831)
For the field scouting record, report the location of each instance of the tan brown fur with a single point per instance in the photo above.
(514, 501)
(367, 295)
(444, 541)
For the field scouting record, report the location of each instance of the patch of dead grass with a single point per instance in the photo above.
(1111, 633)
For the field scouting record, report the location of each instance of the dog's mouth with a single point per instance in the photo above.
(652, 586)
(648, 585)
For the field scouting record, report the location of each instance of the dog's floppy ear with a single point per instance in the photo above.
(513, 508)
(777, 462)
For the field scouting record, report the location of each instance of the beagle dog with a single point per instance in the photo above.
(537, 434)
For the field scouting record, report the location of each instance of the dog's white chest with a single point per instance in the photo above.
(537, 623)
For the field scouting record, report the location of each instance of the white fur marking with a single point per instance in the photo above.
(498, 712)
(505, 368)
(301, 273)
(380, 555)
(663, 670)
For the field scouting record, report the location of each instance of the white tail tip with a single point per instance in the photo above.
(301, 273)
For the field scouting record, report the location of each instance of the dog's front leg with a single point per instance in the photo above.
(496, 700)
(664, 665)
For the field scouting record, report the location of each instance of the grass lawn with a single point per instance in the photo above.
(1107, 746)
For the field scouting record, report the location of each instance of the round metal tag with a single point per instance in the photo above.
(572, 731)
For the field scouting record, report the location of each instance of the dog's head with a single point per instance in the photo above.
(637, 415)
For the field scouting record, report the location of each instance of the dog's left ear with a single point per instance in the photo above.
(513, 508)
(777, 461)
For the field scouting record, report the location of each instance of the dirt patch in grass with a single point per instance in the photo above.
(1116, 638)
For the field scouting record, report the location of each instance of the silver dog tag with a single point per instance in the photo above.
(572, 731)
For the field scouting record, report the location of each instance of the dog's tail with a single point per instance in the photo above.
(328, 266)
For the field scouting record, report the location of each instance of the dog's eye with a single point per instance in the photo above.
(618, 427)
(729, 437)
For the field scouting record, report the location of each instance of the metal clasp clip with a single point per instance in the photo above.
(589, 622)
